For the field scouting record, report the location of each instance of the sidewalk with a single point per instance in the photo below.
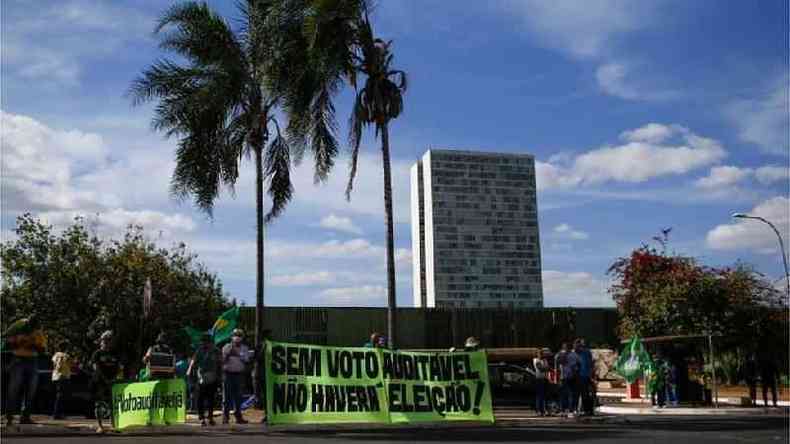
(647, 409)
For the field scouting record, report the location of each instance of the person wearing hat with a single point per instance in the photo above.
(25, 340)
(206, 362)
(471, 344)
(235, 356)
(160, 348)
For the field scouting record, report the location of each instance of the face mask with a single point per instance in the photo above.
(236, 340)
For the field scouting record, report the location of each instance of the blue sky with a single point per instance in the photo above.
(641, 115)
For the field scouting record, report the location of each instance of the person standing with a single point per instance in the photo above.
(568, 363)
(660, 379)
(234, 359)
(61, 375)
(749, 372)
(585, 375)
(162, 349)
(768, 377)
(106, 367)
(25, 340)
(206, 362)
(541, 369)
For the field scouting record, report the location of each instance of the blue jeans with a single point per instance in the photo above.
(231, 391)
(567, 395)
(540, 395)
(22, 384)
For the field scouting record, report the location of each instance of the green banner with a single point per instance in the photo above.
(316, 384)
(149, 403)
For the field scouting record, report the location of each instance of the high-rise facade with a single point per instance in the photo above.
(475, 240)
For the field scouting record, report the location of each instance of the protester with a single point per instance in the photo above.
(672, 383)
(162, 350)
(541, 369)
(750, 371)
(471, 344)
(235, 356)
(206, 364)
(25, 340)
(568, 363)
(585, 376)
(106, 368)
(61, 375)
(768, 377)
(660, 378)
(376, 340)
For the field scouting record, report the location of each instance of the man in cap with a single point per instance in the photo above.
(235, 356)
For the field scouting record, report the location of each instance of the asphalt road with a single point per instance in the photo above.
(636, 430)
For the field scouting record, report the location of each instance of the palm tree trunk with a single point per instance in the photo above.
(391, 301)
(259, 271)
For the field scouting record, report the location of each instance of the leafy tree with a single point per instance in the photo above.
(80, 285)
(338, 45)
(222, 105)
(658, 293)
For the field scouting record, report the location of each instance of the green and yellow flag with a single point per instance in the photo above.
(634, 361)
(224, 325)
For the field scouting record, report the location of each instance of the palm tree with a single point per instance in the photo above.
(378, 102)
(340, 45)
(221, 107)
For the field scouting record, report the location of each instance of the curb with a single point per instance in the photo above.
(692, 411)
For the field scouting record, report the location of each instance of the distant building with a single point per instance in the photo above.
(475, 240)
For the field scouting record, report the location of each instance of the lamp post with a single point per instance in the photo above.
(781, 246)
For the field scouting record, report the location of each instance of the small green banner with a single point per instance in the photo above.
(317, 384)
(149, 403)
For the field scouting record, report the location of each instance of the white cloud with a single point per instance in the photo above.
(113, 222)
(581, 29)
(575, 289)
(50, 42)
(337, 223)
(723, 176)
(769, 174)
(753, 234)
(39, 164)
(647, 154)
(630, 82)
(365, 295)
(764, 121)
(566, 231)
(303, 279)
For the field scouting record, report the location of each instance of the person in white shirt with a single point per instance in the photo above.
(541, 369)
(235, 356)
(61, 374)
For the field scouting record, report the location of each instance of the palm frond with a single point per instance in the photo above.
(277, 171)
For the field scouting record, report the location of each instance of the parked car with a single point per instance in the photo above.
(512, 385)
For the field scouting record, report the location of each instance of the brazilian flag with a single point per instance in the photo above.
(225, 324)
(634, 361)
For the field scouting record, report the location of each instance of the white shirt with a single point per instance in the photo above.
(234, 363)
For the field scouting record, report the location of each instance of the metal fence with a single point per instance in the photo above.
(439, 328)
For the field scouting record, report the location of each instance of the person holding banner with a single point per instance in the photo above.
(106, 367)
(206, 363)
(235, 356)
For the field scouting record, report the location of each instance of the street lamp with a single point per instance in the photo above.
(781, 245)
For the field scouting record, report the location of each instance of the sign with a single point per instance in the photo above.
(317, 384)
(149, 403)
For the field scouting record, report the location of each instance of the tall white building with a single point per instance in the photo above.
(475, 240)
